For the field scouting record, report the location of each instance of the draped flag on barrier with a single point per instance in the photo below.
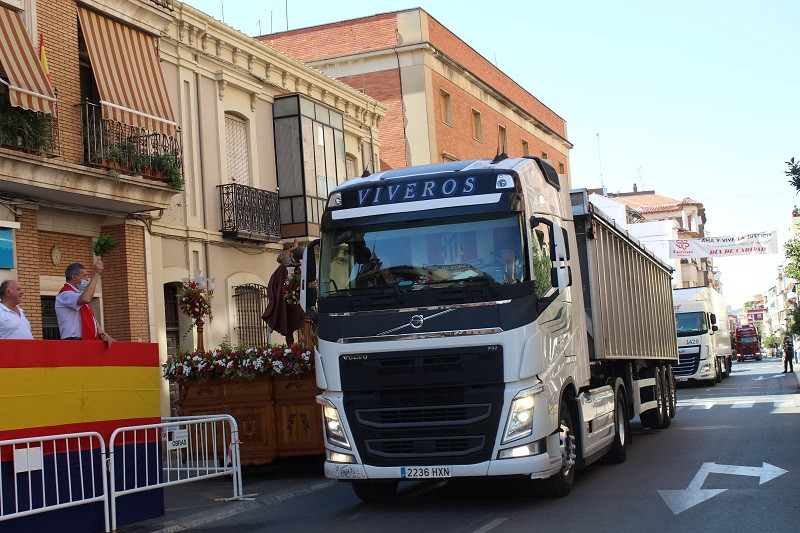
(765, 242)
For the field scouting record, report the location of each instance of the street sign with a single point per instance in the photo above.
(680, 500)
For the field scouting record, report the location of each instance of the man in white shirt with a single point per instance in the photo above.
(13, 322)
(76, 320)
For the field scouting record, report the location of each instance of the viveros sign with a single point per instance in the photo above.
(411, 191)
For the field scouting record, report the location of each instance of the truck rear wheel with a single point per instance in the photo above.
(375, 491)
(654, 418)
(619, 450)
(666, 397)
(672, 407)
(559, 484)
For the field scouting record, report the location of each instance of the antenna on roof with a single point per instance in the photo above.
(222, 5)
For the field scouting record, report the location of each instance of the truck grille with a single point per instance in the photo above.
(687, 366)
(421, 408)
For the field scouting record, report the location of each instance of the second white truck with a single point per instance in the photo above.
(704, 342)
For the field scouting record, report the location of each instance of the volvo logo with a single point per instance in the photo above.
(416, 321)
(360, 357)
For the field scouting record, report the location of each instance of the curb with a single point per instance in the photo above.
(243, 507)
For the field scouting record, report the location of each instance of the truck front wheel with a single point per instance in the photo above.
(375, 491)
(559, 485)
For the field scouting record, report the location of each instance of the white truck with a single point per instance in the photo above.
(475, 319)
(704, 341)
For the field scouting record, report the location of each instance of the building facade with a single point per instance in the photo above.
(199, 149)
(446, 101)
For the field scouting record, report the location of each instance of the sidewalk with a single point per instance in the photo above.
(191, 505)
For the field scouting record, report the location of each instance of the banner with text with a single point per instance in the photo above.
(765, 242)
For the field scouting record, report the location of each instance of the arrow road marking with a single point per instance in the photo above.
(762, 378)
(680, 500)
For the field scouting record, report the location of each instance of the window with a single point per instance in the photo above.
(6, 248)
(50, 330)
(352, 168)
(544, 155)
(542, 264)
(501, 139)
(447, 156)
(310, 160)
(561, 168)
(237, 150)
(525, 148)
(251, 301)
(445, 108)
(477, 128)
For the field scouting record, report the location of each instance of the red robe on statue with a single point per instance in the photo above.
(279, 315)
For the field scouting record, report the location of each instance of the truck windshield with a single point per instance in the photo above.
(747, 340)
(424, 254)
(691, 323)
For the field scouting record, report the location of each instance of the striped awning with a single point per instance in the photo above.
(28, 87)
(128, 74)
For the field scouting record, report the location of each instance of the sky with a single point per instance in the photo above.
(690, 98)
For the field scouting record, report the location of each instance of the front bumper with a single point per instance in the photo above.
(535, 466)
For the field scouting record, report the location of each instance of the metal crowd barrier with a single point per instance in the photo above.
(52, 472)
(41, 474)
(189, 448)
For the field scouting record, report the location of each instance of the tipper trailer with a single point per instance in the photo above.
(475, 319)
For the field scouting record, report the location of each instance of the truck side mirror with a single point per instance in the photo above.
(714, 319)
(715, 328)
(308, 274)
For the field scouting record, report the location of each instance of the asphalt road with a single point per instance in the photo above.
(729, 462)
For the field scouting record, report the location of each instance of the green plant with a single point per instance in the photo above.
(169, 165)
(21, 128)
(103, 245)
(114, 175)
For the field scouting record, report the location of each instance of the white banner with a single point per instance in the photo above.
(765, 242)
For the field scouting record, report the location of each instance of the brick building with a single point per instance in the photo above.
(198, 148)
(445, 100)
(55, 200)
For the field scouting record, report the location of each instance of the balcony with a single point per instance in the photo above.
(249, 213)
(27, 131)
(125, 149)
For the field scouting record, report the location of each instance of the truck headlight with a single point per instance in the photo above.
(520, 417)
(334, 431)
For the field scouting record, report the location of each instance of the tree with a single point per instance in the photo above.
(793, 326)
(793, 173)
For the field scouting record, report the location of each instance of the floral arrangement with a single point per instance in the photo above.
(194, 301)
(230, 362)
(291, 288)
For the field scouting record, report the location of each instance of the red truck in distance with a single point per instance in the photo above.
(748, 343)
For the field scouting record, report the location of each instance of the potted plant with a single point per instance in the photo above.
(169, 165)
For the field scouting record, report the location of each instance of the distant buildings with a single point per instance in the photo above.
(655, 220)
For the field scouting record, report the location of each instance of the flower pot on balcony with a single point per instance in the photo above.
(277, 416)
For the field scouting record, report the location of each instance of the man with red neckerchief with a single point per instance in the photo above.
(76, 320)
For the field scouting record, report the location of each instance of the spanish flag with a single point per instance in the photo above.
(43, 59)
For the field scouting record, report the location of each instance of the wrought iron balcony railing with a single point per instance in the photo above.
(249, 213)
(130, 150)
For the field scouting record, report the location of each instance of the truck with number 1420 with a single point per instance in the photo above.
(475, 319)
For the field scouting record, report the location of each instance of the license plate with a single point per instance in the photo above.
(424, 472)
(681, 379)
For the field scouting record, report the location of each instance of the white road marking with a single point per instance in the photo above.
(680, 500)
(742, 405)
(705, 428)
(491, 525)
(704, 405)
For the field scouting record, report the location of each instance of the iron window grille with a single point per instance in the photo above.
(251, 302)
